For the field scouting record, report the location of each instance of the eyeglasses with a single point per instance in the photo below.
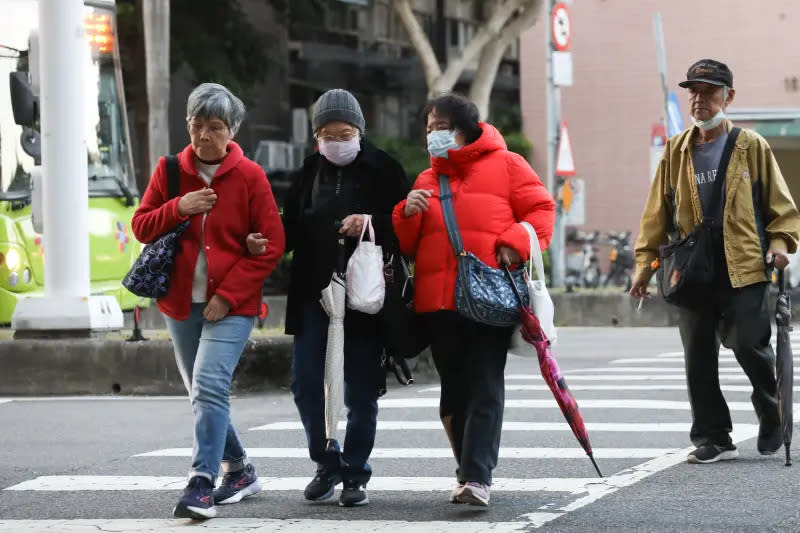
(336, 139)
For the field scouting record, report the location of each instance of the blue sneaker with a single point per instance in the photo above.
(237, 486)
(197, 501)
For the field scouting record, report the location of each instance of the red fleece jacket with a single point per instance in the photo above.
(493, 190)
(245, 204)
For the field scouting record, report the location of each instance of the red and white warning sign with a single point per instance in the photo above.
(565, 164)
(562, 30)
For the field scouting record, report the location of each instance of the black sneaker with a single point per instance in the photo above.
(711, 453)
(321, 487)
(237, 486)
(770, 438)
(197, 501)
(354, 493)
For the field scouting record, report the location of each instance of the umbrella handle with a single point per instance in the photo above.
(513, 285)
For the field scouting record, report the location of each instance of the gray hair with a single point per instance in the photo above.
(212, 100)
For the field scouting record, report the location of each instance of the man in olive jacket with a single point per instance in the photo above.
(759, 226)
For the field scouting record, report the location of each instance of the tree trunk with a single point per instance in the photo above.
(420, 42)
(141, 108)
(156, 38)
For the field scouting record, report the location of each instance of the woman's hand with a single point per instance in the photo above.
(197, 202)
(507, 256)
(256, 244)
(352, 225)
(217, 309)
(417, 202)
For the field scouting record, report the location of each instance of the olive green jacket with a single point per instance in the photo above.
(759, 211)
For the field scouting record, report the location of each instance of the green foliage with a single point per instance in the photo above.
(412, 156)
(518, 143)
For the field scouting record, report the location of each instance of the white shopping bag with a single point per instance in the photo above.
(366, 286)
(541, 303)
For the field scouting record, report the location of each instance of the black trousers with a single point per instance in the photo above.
(471, 360)
(739, 319)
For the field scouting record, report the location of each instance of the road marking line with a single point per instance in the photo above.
(629, 477)
(436, 453)
(634, 369)
(379, 484)
(251, 525)
(724, 360)
(549, 403)
(579, 386)
(391, 425)
(2, 400)
(109, 398)
(624, 377)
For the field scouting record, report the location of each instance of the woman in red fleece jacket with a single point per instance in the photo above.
(493, 190)
(215, 288)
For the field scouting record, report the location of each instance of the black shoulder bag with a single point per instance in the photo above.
(686, 266)
(150, 274)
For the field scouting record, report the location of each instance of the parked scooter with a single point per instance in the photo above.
(621, 260)
(582, 268)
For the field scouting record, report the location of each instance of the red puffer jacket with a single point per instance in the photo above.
(493, 189)
(244, 205)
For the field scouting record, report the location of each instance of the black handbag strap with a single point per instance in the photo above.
(727, 151)
(450, 221)
(173, 177)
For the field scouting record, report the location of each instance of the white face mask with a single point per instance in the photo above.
(340, 153)
(440, 141)
(711, 123)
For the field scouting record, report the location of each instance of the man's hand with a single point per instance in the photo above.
(217, 309)
(417, 202)
(197, 202)
(507, 256)
(352, 225)
(779, 257)
(256, 244)
(639, 289)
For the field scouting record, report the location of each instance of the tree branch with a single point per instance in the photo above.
(420, 42)
(489, 30)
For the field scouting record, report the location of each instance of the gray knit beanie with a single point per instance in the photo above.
(337, 105)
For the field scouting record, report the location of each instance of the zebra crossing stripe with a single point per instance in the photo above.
(634, 369)
(440, 453)
(549, 403)
(154, 525)
(422, 425)
(578, 387)
(722, 360)
(377, 484)
(623, 377)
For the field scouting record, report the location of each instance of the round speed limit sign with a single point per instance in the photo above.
(561, 27)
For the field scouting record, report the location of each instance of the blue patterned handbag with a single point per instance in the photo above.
(150, 274)
(483, 293)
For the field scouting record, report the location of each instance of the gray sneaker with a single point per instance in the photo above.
(474, 494)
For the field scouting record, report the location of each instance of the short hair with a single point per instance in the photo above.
(212, 100)
(460, 111)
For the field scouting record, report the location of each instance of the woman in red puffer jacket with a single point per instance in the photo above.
(493, 191)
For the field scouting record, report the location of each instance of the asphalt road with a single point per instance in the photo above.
(117, 464)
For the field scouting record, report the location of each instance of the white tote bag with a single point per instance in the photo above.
(366, 287)
(541, 303)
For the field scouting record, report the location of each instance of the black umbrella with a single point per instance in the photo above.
(783, 317)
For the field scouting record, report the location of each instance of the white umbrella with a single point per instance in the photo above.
(333, 302)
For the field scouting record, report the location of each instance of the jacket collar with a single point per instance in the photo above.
(692, 134)
(457, 160)
(233, 158)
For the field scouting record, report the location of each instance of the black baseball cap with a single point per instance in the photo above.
(708, 71)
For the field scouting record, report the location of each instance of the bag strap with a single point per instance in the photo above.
(450, 222)
(536, 253)
(723, 169)
(367, 225)
(173, 177)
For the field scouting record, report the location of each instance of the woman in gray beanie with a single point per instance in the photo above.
(347, 178)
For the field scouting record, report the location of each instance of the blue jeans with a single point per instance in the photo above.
(207, 354)
(362, 377)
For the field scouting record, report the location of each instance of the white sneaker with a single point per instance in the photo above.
(456, 492)
(474, 494)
